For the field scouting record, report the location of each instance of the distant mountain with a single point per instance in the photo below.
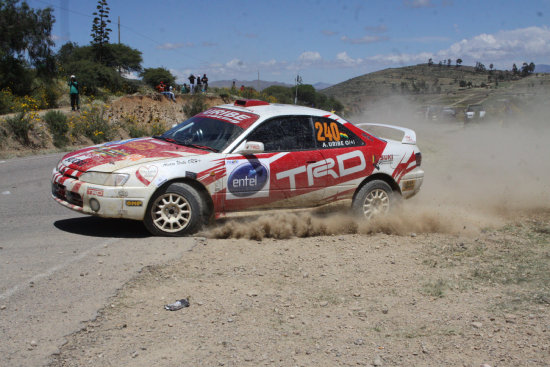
(320, 85)
(247, 83)
(542, 68)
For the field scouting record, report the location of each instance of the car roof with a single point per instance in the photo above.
(268, 110)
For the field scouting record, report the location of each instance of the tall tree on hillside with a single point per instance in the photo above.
(480, 67)
(100, 30)
(449, 62)
(25, 41)
(458, 62)
(527, 69)
(514, 69)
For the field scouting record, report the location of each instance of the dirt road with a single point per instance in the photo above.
(459, 277)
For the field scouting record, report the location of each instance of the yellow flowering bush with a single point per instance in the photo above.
(91, 123)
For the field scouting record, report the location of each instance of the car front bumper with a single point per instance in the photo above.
(103, 201)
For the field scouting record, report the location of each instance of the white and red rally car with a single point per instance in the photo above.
(248, 155)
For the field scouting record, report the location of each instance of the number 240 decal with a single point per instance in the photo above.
(326, 131)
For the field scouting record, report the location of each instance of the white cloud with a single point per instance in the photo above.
(269, 63)
(382, 28)
(401, 59)
(174, 46)
(348, 61)
(418, 3)
(526, 44)
(364, 40)
(427, 39)
(235, 64)
(501, 49)
(328, 32)
(310, 57)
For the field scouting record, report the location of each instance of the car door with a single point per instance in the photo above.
(349, 155)
(280, 177)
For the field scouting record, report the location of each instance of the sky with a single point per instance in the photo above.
(328, 41)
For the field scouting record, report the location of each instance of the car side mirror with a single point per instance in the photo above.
(251, 147)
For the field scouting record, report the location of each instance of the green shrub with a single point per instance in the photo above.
(3, 135)
(50, 96)
(59, 127)
(6, 101)
(20, 125)
(196, 106)
(157, 127)
(92, 124)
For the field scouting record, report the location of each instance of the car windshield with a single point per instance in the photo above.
(203, 133)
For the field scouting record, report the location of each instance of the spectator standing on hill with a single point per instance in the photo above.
(184, 89)
(74, 93)
(192, 83)
(199, 84)
(205, 83)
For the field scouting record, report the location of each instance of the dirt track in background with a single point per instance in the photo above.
(459, 277)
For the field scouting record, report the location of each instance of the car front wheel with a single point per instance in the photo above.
(373, 199)
(175, 210)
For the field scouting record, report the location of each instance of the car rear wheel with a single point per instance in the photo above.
(175, 210)
(373, 199)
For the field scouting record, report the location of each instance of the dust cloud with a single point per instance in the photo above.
(478, 175)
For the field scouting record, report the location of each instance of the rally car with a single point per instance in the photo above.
(250, 155)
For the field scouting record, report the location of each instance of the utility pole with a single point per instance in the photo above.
(119, 29)
(298, 82)
(258, 81)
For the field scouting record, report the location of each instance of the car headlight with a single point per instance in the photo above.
(105, 179)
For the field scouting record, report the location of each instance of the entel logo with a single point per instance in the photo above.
(247, 179)
(325, 167)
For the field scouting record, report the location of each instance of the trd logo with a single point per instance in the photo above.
(325, 167)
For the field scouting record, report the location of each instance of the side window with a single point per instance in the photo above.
(331, 134)
(285, 133)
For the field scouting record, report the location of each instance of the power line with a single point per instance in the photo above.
(122, 25)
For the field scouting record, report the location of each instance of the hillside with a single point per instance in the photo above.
(435, 85)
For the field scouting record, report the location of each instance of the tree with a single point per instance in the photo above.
(449, 62)
(430, 61)
(527, 69)
(514, 69)
(122, 57)
(100, 32)
(92, 74)
(25, 42)
(480, 67)
(458, 62)
(153, 76)
(282, 94)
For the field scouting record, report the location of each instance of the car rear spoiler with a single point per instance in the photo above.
(409, 136)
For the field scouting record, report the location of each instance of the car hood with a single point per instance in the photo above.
(115, 155)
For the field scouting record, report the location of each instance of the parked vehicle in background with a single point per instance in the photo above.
(248, 155)
(474, 111)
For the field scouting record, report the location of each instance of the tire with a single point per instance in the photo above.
(175, 210)
(373, 199)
